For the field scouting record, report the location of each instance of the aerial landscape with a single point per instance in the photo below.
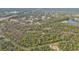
(39, 29)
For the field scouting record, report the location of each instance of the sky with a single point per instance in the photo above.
(39, 3)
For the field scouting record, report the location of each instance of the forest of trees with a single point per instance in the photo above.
(39, 31)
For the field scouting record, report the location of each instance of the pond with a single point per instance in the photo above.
(72, 21)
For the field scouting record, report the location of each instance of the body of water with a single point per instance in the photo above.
(73, 22)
